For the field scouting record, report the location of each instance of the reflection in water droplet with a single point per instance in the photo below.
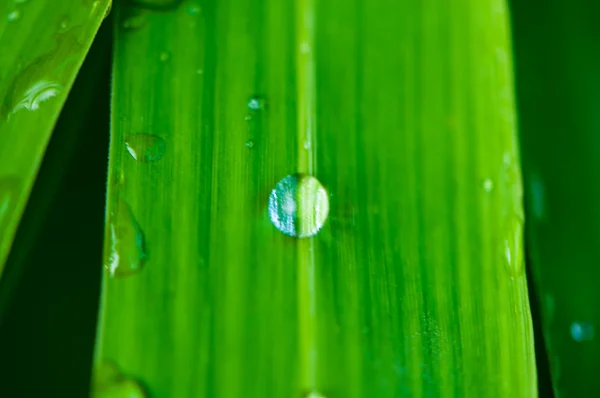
(126, 244)
(299, 205)
(256, 103)
(164, 56)
(37, 94)
(109, 382)
(488, 185)
(249, 144)
(582, 331)
(513, 246)
(13, 15)
(145, 147)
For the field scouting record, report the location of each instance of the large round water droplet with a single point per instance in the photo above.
(145, 147)
(299, 205)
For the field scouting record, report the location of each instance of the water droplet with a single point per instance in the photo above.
(194, 9)
(249, 144)
(164, 56)
(513, 245)
(256, 103)
(247, 118)
(37, 94)
(582, 331)
(488, 185)
(199, 71)
(126, 246)
(145, 147)
(63, 24)
(307, 145)
(109, 382)
(299, 205)
(14, 15)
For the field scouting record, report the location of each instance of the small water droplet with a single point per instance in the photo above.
(126, 246)
(164, 56)
(194, 9)
(307, 144)
(488, 185)
(109, 382)
(513, 246)
(199, 71)
(14, 15)
(582, 331)
(145, 147)
(37, 94)
(250, 144)
(256, 103)
(63, 24)
(247, 118)
(299, 205)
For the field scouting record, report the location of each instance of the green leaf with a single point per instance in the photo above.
(43, 46)
(558, 66)
(404, 112)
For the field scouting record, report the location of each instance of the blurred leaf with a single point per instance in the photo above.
(559, 96)
(404, 111)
